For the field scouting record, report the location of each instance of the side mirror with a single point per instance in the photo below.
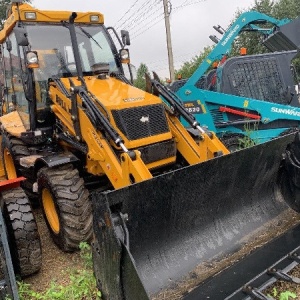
(125, 37)
(21, 36)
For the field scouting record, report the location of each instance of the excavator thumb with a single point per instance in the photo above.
(160, 238)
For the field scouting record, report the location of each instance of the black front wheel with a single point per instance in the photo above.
(66, 206)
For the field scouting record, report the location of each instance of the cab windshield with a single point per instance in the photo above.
(54, 48)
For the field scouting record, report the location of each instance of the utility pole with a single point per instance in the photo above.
(169, 44)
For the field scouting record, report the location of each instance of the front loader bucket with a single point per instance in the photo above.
(159, 238)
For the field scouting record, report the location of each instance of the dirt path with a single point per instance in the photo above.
(55, 263)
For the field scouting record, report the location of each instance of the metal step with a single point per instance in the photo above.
(8, 285)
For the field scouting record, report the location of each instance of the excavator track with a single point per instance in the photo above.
(250, 277)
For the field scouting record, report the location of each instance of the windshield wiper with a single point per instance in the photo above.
(89, 36)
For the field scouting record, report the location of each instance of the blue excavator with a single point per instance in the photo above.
(249, 98)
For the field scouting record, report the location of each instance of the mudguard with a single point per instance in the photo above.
(157, 236)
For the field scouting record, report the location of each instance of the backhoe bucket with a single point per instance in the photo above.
(160, 238)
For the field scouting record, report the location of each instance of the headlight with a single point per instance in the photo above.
(32, 59)
(124, 53)
(30, 15)
(94, 18)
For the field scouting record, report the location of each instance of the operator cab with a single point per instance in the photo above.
(36, 52)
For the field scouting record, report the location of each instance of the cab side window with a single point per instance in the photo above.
(13, 87)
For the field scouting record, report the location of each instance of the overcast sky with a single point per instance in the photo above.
(191, 24)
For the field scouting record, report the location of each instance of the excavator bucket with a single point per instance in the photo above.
(160, 238)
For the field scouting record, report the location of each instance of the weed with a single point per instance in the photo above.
(82, 283)
(287, 295)
(247, 141)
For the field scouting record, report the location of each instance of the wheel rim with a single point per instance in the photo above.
(50, 211)
(9, 165)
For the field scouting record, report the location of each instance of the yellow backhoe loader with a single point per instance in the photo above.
(72, 122)
(104, 157)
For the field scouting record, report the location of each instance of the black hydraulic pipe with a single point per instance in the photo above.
(174, 101)
(98, 119)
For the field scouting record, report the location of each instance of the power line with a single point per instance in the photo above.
(186, 3)
(139, 32)
(139, 14)
(127, 12)
(138, 19)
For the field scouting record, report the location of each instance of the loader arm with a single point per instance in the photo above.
(247, 21)
(209, 145)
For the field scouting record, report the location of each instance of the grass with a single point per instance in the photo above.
(81, 286)
(247, 141)
(286, 295)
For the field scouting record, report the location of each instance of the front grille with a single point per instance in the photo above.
(141, 122)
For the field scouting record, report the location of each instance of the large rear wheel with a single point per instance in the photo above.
(66, 206)
(23, 236)
(13, 149)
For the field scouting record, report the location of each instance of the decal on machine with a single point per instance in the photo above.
(285, 111)
(194, 107)
(133, 99)
(231, 33)
(145, 119)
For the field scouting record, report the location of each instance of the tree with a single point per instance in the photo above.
(140, 81)
(252, 40)
(4, 5)
(281, 9)
(286, 9)
(3, 9)
(189, 67)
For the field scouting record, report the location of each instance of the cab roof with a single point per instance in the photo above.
(26, 13)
